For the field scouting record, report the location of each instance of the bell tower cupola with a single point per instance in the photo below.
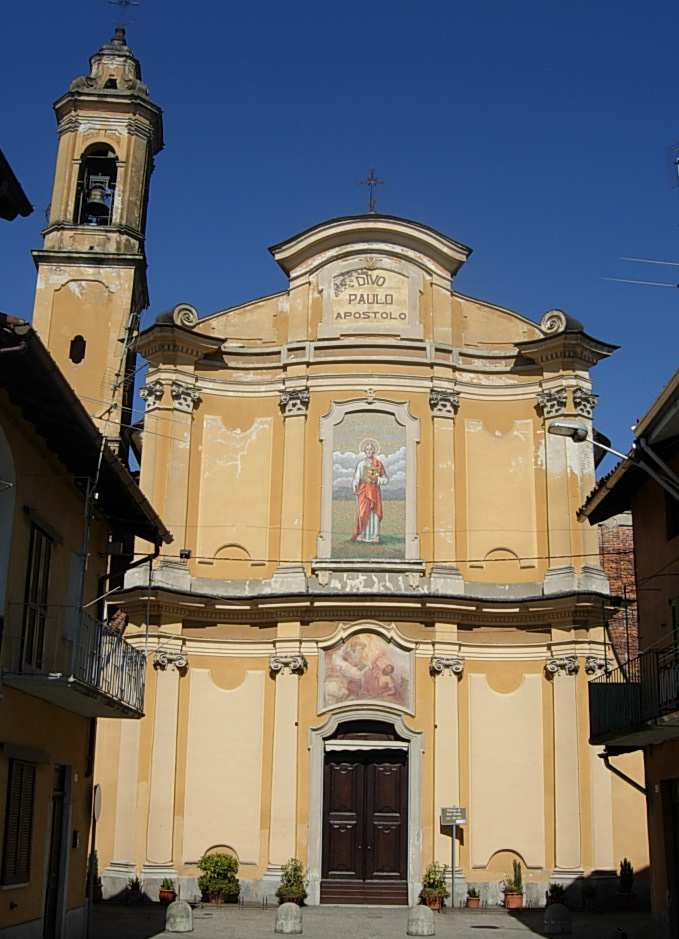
(91, 285)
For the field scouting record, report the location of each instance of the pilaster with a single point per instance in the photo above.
(169, 664)
(445, 576)
(569, 466)
(290, 575)
(115, 877)
(447, 668)
(562, 671)
(287, 665)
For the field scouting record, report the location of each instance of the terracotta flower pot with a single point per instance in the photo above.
(473, 903)
(167, 896)
(434, 903)
(513, 901)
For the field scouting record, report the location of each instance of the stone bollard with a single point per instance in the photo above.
(288, 919)
(179, 917)
(558, 920)
(420, 921)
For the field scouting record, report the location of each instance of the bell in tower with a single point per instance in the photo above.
(92, 267)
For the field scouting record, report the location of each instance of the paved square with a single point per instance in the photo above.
(335, 922)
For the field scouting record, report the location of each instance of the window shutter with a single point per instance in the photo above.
(16, 858)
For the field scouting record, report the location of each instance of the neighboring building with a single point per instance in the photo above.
(616, 547)
(380, 600)
(13, 199)
(63, 495)
(636, 707)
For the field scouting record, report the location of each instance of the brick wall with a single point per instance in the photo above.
(616, 545)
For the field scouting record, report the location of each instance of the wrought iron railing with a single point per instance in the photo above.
(107, 663)
(642, 690)
(77, 648)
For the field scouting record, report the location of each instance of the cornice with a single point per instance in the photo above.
(469, 653)
(574, 610)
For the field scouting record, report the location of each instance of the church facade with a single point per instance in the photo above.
(380, 601)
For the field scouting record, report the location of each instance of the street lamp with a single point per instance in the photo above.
(578, 434)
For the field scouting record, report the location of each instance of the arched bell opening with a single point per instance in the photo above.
(95, 191)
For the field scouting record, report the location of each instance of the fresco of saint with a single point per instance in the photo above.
(366, 668)
(368, 487)
(369, 477)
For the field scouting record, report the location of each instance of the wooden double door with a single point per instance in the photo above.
(365, 822)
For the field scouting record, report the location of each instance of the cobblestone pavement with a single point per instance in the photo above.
(336, 922)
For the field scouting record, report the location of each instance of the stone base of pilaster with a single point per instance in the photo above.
(460, 888)
(116, 877)
(594, 579)
(270, 882)
(289, 578)
(152, 876)
(446, 579)
(560, 580)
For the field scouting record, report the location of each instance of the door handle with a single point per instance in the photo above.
(359, 845)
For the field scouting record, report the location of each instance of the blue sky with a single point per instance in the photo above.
(540, 134)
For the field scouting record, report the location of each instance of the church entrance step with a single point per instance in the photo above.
(370, 892)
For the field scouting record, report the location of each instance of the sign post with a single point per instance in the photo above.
(451, 817)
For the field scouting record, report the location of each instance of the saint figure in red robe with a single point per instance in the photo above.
(369, 478)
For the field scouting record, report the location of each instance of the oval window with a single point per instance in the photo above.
(77, 350)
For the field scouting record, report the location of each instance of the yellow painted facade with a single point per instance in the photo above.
(360, 465)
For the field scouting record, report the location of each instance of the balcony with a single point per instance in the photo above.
(637, 704)
(73, 661)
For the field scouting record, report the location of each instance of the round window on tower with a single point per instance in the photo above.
(76, 352)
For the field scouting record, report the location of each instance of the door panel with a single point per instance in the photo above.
(343, 814)
(365, 817)
(386, 820)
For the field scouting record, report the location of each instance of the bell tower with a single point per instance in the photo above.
(91, 285)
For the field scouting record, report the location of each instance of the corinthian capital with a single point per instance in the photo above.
(290, 664)
(185, 397)
(162, 659)
(446, 664)
(552, 401)
(598, 664)
(562, 665)
(443, 403)
(294, 401)
(152, 394)
(584, 401)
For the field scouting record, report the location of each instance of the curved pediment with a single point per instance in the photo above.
(355, 234)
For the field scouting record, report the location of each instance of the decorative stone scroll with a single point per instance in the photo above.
(185, 396)
(553, 322)
(287, 664)
(162, 659)
(294, 402)
(444, 403)
(553, 401)
(152, 394)
(595, 664)
(562, 664)
(584, 401)
(450, 664)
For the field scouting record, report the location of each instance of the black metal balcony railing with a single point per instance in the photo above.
(77, 653)
(641, 695)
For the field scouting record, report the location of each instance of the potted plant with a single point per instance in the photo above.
(513, 888)
(434, 890)
(167, 893)
(133, 891)
(473, 898)
(626, 884)
(556, 893)
(218, 882)
(292, 888)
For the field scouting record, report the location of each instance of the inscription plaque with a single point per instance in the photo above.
(370, 297)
